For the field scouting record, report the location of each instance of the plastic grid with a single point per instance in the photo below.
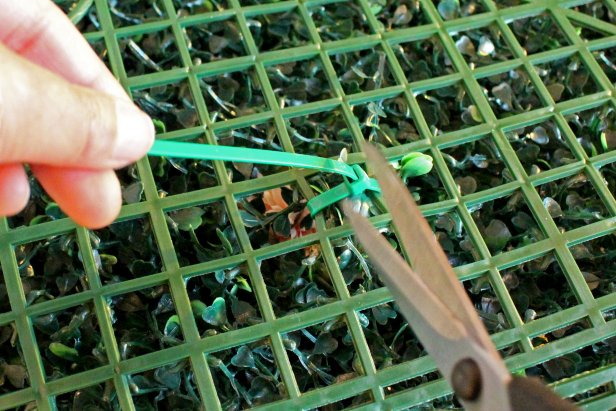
(595, 310)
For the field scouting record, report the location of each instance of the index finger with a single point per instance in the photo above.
(39, 31)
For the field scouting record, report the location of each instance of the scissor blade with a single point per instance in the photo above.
(411, 294)
(425, 253)
(444, 337)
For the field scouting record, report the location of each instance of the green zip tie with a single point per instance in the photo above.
(345, 190)
(198, 151)
(361, 182)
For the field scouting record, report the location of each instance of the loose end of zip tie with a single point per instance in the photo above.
(359, 184)
(196, 151)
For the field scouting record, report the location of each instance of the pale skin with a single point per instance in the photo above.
(64, 114)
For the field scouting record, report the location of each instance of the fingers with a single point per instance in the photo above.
(14, 189)
(92, 198)
(53, 125)
(46, 120)
(39, 31)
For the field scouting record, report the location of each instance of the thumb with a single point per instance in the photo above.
(46, 120)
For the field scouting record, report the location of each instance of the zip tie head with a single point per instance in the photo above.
(347, 189)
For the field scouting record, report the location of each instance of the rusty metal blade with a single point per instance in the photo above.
(425, 253)
(444, 337)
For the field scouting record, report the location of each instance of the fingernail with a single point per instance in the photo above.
(135, 133)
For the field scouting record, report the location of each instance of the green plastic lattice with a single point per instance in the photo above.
(371, 380)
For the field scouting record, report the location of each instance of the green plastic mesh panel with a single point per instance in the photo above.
(374, 381)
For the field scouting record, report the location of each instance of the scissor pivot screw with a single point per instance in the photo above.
(466, 379)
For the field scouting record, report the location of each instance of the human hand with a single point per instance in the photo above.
(64, 114)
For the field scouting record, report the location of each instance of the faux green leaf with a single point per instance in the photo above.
(172, 327)
(243, 312)
(243, 284)
(243, 358)
(468, 185)
(553, 207)
(198, 308)
(187, 218)
(248, 219)
(608, 139)
(466, 46)
(225, 241)
(539, 135)
(325, 344)
(159, 125)
(415, 165)
(556, 91)
(168, 377)
(54, 211)
(141, 268)
(64, 352)
(486, 47)
(497, 235)
(382, 313)
(504, 93)
(132, 194)
(471, 115)
(16, 374)
(216, 314)
(449, 9)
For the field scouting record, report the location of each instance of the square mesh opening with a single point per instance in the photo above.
(363, 70)
(390, 338)
(232, 95)
(246, 376)
(573, 202)
(322, 356)
(279, 31)
(171, 387)
(126, 250)
(591, 257)
(215, 40)
(144, 321)
(275, 216)
(171, 105)
(483, 46)
(299, 82)
(340, 20)
(202, 233)
(539, 287)
(130, 13)
(595, 129)
(506, 223)
(448, 109)
(541, 146)
(424, 59)
(487, 304)
(96, 396)
(298, 281)
(51, 268)
(223, 301)
(323, 133)
(69, 341)
(12, 362)
(477, 165)
(532, 31)
(150, 52)
(388, 122)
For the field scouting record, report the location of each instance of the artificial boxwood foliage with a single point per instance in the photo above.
(216, 288)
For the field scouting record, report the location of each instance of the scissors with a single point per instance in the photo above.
(435, 304)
